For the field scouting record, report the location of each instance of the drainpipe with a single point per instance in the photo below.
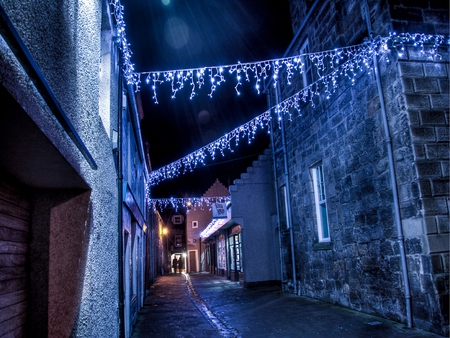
(272, 143)
(200, 254)
(287, 195)
(120, 193)
(288, 50)
(392, 175)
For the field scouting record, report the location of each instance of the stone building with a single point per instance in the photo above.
(72, 175)
(363, 204)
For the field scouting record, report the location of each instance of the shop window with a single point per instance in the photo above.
(321, 204)
(235, 245)
(221, 253)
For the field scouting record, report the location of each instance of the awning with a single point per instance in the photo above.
(216, 224)
(212, 227)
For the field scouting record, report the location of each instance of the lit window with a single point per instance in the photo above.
(321, 204)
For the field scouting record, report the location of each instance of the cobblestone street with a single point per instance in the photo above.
(205, 305)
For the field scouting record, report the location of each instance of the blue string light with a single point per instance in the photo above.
(330, 66)
(191, 203)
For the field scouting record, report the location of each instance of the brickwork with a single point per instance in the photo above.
(360, 267)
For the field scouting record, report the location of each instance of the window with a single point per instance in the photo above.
(283, 207)
(194, 224)
(177, 219)
(306, 64)
(321, 204)
(178, 241)
(221, 253)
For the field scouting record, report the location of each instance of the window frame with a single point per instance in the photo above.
(307, 76)
(178, 241)
(320, 202)
(283, 205)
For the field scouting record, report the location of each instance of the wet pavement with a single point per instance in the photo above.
(204, 305)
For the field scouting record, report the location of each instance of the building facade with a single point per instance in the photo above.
(135, 218)
(199, 255)
(73, 221)
(362, 175)
(254, 210)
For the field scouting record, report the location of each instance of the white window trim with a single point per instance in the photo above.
(194, 224)
(306, 67)
(318, 203)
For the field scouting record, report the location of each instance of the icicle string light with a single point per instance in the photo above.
(326, 85)
(128, 68)
(322, 63)
(197, 158)
(191, 203)
(262, 121)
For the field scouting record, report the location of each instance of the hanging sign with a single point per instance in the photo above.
(219, 210)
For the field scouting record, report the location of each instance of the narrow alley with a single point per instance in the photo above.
(206, 305)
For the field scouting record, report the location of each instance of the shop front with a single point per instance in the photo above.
(235, 250)
(223, 239)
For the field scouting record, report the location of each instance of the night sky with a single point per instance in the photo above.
(191, 34)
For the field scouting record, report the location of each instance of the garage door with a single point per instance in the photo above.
(15, 214)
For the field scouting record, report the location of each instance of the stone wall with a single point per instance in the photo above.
(360, 267)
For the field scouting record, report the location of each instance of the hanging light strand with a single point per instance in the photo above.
(326, 85)
(226, 143)
(127, 66)
(322, 63)
(191, 203)
(248, 130)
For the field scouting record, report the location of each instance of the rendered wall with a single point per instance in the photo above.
(253, 207)
(64, 38)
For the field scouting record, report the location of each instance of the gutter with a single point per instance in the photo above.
(392, 176)
(17, 46)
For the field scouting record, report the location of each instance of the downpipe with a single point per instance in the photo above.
(272, 143)
(119, 199)
(288, 198)
(393, 178)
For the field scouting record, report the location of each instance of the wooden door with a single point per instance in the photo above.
(15, 219)
(192, 262)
